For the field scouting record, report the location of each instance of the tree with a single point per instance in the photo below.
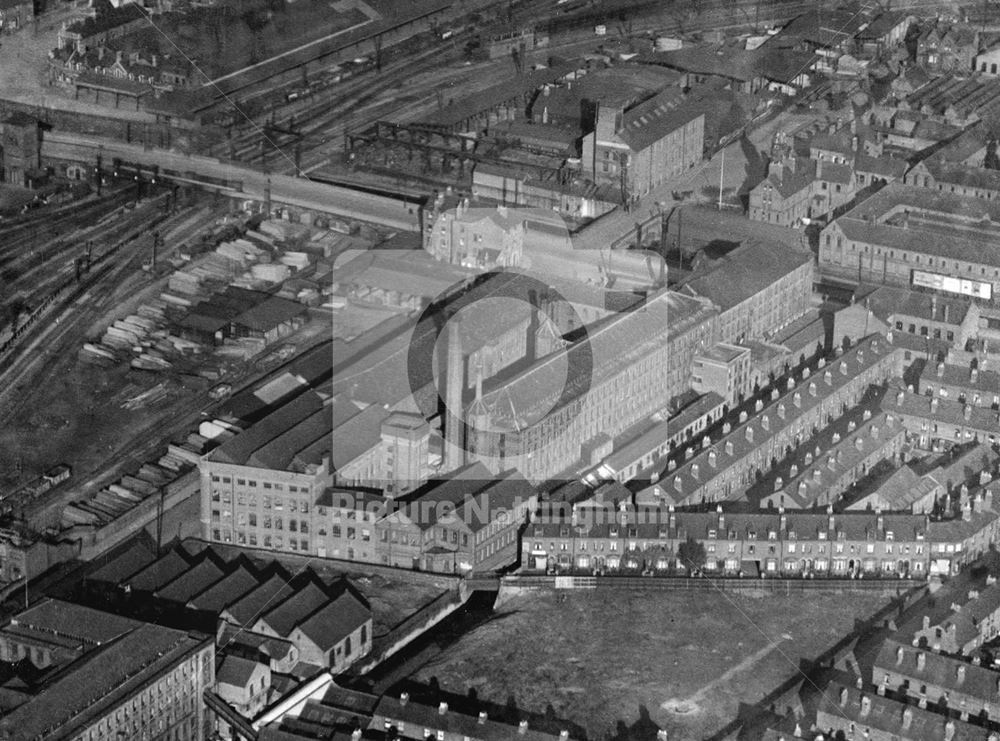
(691, 554)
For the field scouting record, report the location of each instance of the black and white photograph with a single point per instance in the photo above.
(499, 370)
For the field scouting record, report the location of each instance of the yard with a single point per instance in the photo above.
(687, 658)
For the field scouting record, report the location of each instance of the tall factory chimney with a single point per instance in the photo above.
(454, 379)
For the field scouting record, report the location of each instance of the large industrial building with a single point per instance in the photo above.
(566, 409)
(910, 236)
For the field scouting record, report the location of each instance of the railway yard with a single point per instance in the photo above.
(87, 324)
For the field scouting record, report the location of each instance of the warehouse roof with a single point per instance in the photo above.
(613, 346)
(99, 682)
(743, 273)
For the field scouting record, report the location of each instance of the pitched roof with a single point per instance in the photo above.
(939, 669)
(744, 439)
(452, 722)
(99, 682)
(901, 490)
(880, 713)
(284, 616)
(224, 592)
(743, 273)
(236, 671)
(296, 412)
(165, 569)
(613, 347)
(191, 582)
(250, 606)
(649, 122)
(336, 620)
(136, 558)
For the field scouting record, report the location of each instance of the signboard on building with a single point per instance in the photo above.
(965, 287)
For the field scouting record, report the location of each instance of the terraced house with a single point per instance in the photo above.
(933, 678)
(634, 539)
(724, 468)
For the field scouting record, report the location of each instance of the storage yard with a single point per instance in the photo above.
(207, 301)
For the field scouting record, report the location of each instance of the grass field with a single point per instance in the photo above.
(688, 658)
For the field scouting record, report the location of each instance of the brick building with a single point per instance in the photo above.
(979, 387)
(469, 522)
(833, 473)
(931, 678)
(772, 543)
(474, 237)
(120, 678)
(759, 288)
(856, 713)
(724, 468)
(634, 540)
(887, 239)
(938, 424)
(20, 149)
(967, 626)
(644, 146)
(521, 426)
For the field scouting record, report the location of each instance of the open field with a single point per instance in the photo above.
(688, 658)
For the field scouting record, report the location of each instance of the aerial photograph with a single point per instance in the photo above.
(499, 370)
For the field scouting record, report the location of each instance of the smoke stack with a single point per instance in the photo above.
(453, 386)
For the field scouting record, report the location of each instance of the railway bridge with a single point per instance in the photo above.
(300, 195)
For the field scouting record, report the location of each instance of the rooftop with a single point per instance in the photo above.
(743, 273)
(938, 669)
(743, 439)
(99, 681)
(60, 618)
(885, 716)
(613, 346)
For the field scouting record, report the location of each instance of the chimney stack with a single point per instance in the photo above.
(453, 377)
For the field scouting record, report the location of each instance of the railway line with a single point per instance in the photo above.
(320, 123)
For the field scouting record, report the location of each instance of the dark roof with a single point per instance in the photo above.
(745, 272)
(307, 441)
(452, 722)
(271, 313)
(274, 648)
(235, 670)
(649, 122)
(239, 449)
(101, 681)
(191, 582)
(75, 621)
(165, 569)
(939, 670)
(136, 558)
(285, 615)
(336, 620)
(271, 593)
(880, 713)
(225, 591)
